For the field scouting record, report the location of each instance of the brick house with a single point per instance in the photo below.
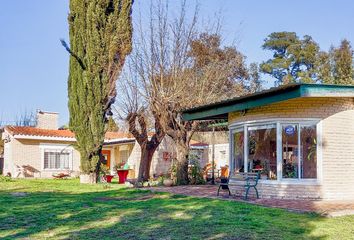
(45, 150)
(299, 137)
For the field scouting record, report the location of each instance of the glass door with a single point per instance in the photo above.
(238, 150)
(290, 150)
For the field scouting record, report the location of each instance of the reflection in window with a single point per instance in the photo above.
(308, 151)
(262, 147)
(238, 151)
(290, 150)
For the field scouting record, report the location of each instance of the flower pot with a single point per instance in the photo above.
(109, 178)
(88, 178)
(167, 182)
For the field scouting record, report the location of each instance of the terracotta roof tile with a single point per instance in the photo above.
(195, 143)
(33, 131)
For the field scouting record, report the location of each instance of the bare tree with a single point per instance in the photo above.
(179, 65)
(143, 123)
(26, 119)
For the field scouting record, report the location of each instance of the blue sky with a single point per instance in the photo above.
(34, 66)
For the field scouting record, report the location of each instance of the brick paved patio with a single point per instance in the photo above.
(326, 208)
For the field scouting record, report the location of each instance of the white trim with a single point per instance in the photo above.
(319, 151)
(119, 140)
(66, 139)
(294, 181)
(231, 151)
(245, 148)
(279, 152)
(56, 146)
(273, 120)
(31, 137)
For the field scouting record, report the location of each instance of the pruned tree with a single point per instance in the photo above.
(143, 123)
(26, 119)
(100, 39)
(180, 65)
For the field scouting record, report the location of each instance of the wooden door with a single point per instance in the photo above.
(107, 156)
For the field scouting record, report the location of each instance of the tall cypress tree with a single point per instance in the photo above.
(100, 39)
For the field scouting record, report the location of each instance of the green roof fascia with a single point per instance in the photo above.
(273, 96)
(242, 105)
(317, 90)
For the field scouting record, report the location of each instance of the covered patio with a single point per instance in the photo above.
(299, 138)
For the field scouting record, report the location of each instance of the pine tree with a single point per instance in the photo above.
(100, 39)
(343, 64)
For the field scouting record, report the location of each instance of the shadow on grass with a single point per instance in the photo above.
(134, 214)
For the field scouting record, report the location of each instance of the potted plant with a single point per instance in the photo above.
(122, 170)
(105, 171)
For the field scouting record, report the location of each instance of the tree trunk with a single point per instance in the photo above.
(90, 178)
(182, 164)
(145, 163)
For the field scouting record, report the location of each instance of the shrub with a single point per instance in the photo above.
(5, 179)
(195, 173)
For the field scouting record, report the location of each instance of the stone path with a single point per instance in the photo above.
(326, 208)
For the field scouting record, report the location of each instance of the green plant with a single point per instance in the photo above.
(5, 179)
(104, 169)
(195, 173)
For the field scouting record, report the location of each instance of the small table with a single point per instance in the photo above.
(122, 175)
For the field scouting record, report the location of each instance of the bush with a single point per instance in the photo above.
(5, 179)
(195, 173)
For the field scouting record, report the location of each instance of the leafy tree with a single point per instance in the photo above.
(343, 64)
(293, 59)
(100, 39)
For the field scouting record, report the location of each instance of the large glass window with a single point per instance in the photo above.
(262, 157)
(56, 160)
(297, 144)
(238, 158)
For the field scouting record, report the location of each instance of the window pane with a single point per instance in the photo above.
(290, 150)
(238, 152)
(56, 160)
(46, 160)
(262, 147)
(308, 151)
(124, 156)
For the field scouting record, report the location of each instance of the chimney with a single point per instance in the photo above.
(47, 120)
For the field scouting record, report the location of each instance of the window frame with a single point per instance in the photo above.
(279, 122)
(56, 148)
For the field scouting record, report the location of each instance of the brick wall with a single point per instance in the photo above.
(27, 153)
(337, 116)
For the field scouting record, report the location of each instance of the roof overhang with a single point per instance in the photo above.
(221, 109)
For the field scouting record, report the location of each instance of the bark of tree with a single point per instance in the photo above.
(148, 145)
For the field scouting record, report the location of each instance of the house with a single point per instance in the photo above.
(44, 150)
(299, 137)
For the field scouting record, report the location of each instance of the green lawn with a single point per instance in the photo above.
(64, 209)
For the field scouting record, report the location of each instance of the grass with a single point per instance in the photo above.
(65, 209)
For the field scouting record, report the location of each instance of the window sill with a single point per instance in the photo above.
(291, 182)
